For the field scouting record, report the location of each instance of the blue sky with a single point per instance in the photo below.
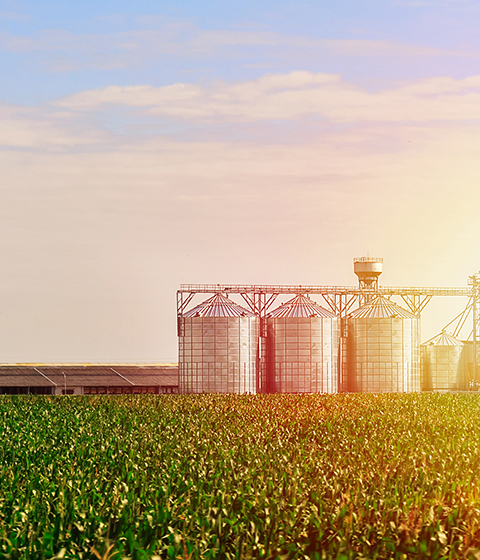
(148, 144)
(51, 49)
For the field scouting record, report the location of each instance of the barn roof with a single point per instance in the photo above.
(88, 375)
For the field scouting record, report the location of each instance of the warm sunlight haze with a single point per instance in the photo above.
(145, 145)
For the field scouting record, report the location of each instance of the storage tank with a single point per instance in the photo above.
(218, 348)
(368, 270)
(383, 348)
(444, 364)
(302, 348)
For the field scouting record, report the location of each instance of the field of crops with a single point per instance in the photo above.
(274, 476)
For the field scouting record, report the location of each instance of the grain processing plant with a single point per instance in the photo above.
(357, 340)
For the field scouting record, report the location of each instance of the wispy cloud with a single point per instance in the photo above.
(69, 51)
(292, 96)
(44, 129)
(12, 16)
(123, 197)
(276, 108)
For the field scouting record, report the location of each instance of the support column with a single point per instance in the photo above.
(474, 281)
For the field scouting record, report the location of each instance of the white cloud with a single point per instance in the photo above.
(43, 129)
(372, 48)
(80, 204)
(18, 43)
(275, 107)
(293, 96)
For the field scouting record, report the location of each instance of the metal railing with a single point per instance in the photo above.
(302, 289)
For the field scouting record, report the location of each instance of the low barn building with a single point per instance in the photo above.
(88, 379)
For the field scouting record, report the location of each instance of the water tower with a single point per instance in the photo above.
(367, 269)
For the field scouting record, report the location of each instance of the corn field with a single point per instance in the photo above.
(237, 476)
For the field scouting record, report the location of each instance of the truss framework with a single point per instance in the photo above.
(474, 281)
(340, 299)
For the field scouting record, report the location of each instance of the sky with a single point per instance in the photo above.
(149, 144)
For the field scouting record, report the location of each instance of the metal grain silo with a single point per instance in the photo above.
(444, 364)
(383, 349)
(218, 348)
(302, 348)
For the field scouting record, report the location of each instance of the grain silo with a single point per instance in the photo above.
(444, 364)
(218, 348)
(383, 348)
(302, 348)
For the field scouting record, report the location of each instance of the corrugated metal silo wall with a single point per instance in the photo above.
(444, 368)
(343, 357)
(218, 354)
(383, 355)
(302, 354)
(471, 383)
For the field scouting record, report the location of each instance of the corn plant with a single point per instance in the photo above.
(240, 476)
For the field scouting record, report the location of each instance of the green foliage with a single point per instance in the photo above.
(238, 477)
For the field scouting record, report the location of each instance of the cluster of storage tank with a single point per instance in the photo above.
(305, 348)
(221, 350)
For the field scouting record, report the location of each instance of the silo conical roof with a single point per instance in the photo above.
(381, 308)
(443, 339)
(300, 306)
(218, 306)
